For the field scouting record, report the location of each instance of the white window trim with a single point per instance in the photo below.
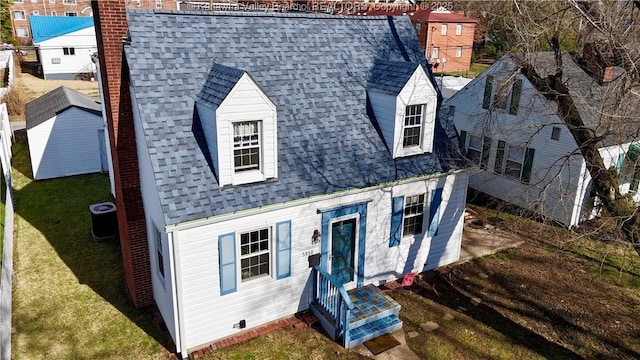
(507, 149)
(272, 270)
(458, 29)
(404, 216)
(420, 126)
(157, 237)
(54, 13)
(458, 51)
(35, 12)
(17, 1)
(248, 176)
(66, 13)
(444, 29)
(24, 16)
(26, 32)
(69, 2)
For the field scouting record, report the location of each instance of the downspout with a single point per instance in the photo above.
(176, 286)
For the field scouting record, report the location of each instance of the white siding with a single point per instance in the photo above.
(84, 43)
(246, 102)
(384, 108)
(208, 316)
(610, 156)
(558, 177)
(418, 90)
(208, 121)
(107, 137)
(66, 145)
(162, 288)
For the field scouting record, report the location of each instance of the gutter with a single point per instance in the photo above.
(303, 201)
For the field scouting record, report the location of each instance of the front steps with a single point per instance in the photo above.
(374, 313)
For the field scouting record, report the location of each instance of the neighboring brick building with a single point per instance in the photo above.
(22, 9)
(447, 37)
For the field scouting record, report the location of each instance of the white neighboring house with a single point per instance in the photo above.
(66, 134)
(64, 45)
(525, 151)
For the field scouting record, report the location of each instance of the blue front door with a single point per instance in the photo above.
(343, 242)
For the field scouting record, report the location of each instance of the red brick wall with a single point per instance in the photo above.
(111, 27)
(81, 8)
(448, 44)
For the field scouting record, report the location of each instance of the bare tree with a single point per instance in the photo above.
(604, 35)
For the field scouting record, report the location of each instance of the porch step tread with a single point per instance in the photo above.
(370, 302)
(373, 329)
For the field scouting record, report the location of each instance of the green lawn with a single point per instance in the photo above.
(69, 298)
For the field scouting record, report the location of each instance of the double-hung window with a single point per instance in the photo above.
(19, 15)
(413, 215)
(412, 126)
(514, 161)
(478, 150)
(157, 237)
(497, 94)
(22, 32)
(246, 146)
(409, 214)
(443, 29)
(263, 253)
(255, 255)
(458, 29)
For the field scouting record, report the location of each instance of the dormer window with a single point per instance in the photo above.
(240, 127)
(412, 125)
(404, 103)
(246, 146)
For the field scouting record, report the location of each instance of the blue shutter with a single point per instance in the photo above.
(283, 241)
(397, 210)
(434, 212)
(227, 252)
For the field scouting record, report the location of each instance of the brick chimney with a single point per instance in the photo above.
(111, 27)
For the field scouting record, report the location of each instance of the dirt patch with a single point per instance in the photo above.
(556, 296)
(36, 87)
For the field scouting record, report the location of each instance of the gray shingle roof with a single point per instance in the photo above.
(219, 82)
(313, 67)
(602, 111)
(390, 77)
(48, 105)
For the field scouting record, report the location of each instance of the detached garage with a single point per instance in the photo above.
(66, 134)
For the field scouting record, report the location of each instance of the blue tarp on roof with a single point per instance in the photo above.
(47, 27)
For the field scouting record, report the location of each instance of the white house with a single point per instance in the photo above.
(64, 45)
(66, 134)
(289, 171)
(523, 148)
